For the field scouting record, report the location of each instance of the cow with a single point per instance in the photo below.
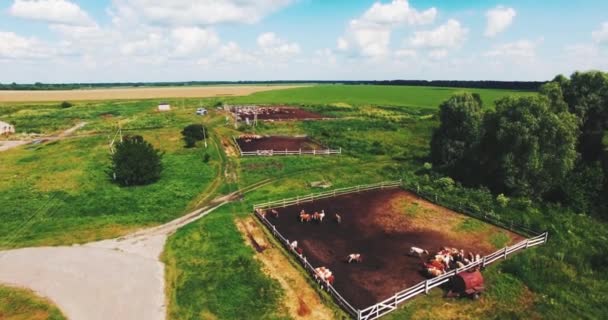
(354, 257)
(417, 252)
(338, 218)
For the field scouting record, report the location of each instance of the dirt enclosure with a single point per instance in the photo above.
(381, 226)
(277, 143)
(272, 113)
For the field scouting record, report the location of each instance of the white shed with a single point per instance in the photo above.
(6, 128)
(164, 106)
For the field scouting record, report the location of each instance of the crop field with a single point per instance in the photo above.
(350, 95)
(59, 193)
(132, 93)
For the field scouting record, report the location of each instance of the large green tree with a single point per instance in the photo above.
(135, 162)
(586, 94)
(454, 143)
(528, 148)
(193, 133)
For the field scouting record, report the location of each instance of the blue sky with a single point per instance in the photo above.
(179, 40)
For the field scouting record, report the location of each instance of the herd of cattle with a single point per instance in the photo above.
(250, 111)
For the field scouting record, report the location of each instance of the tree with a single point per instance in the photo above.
(454, 143)
(135, 162)
(528, 148)
(586, 94)
(193, 133)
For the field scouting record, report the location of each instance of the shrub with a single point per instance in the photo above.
(135, 162)
(502, 200)
(65, 105)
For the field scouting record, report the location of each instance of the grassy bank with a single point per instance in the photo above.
(21, 304)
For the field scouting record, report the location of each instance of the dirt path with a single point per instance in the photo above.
(300, 299)
(7, 145)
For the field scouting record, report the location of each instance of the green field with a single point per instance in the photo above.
(21, 304)
(358, 95)
(59, 193)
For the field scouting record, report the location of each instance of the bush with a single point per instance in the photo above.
(502, 200)
(193, 133)
(65, 105)
(135, 162)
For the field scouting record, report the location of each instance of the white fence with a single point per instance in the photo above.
(382, 308)
(286, 152)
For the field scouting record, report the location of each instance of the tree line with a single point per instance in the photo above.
(549, 146)
(511, 85)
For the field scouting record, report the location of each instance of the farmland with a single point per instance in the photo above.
(132, 93)
(210, 271)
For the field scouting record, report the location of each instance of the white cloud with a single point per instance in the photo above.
(324, 57)
(13, 46)
(518, 49)
(228, 54)
(193, 13)
(370, 34)
(449, 35)
(438, 54)
(191, 40)
(51, 11)
(405, 53)
(272, 45)
(152, 44)
(498, 20)
(601, 35)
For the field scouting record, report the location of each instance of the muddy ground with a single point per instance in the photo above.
(377, 225)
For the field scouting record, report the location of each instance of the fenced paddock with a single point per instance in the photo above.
(375, 309)
(282, 146)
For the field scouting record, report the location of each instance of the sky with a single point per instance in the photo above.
(56, 41)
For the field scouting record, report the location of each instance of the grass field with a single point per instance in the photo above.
(21, 304)
(421, 97)
(211, 272)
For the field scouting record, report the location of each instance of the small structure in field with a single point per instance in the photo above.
(164, 106)
(467, 283)
(6, 128)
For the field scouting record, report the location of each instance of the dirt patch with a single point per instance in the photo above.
(376, 225)
(229, 148)
(300, 300)
(272, 113)
(277, 143)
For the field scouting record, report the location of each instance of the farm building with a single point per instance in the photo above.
(164, 106)
(6, 128)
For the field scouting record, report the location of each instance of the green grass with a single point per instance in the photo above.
(422, 97)
(212, 274)
(472, 225)
(499, 240)
(21, 304)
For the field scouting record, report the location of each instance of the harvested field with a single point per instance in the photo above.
(278, 112)
(133, 93)
(381, 226)
(277, 143)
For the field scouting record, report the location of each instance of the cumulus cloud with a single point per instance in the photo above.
(13, 46)
(370, 34)
(498, 20)
(448, 35)
(195, 13)
(191, 40)
(517, 49)
(405, 53)
(601, 35)
(51, 11)
(272, 45)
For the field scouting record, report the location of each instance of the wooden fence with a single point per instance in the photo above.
(384, 307)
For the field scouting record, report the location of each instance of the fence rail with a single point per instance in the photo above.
(319, 152)
(382, 308)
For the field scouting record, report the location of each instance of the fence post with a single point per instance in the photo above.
(358, 314)
(426, 287)
(340, 150)
(300, 151)
(505, 256)
(527, 243)
(483, 262)
(314, 151)
(283, 203)
(546, 236)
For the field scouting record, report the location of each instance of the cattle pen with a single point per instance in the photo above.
(385, 306)
(281, 146)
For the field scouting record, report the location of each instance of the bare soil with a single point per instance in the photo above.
(378, 225)
(278, 143)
